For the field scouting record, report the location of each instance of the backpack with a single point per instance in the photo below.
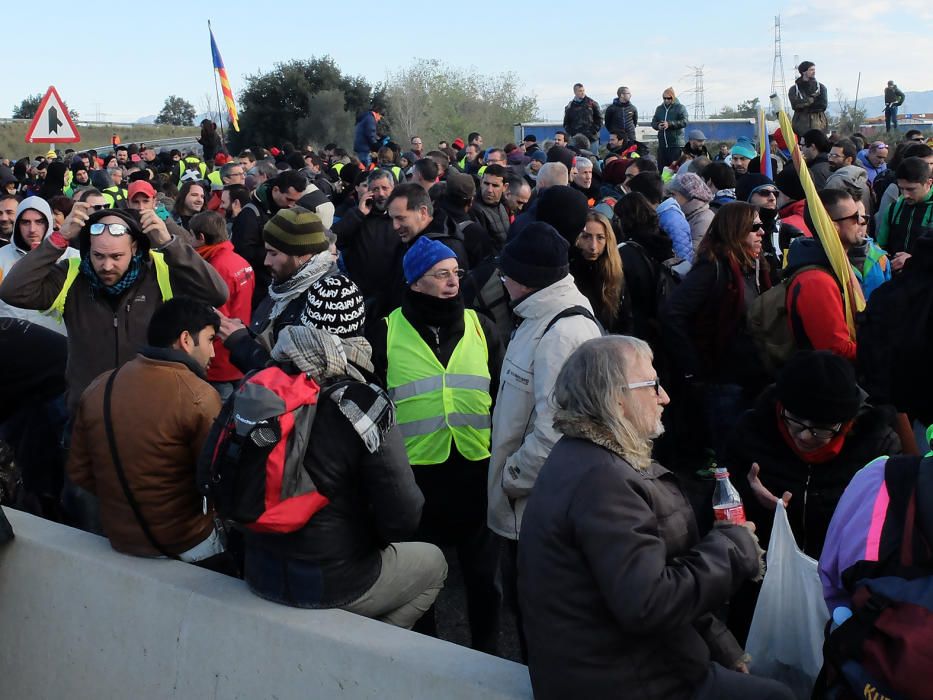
(573, 311)
(768, 324)
(252, 464)
(484, 292)
(667, 275)
(884, 649)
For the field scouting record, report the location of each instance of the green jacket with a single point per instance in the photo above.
(676, 116)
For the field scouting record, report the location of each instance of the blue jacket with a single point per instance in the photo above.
(364, 137)
(873, 172)
(672, 221)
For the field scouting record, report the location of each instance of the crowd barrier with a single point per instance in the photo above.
(80, 621)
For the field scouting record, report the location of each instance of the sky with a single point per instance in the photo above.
(119, 63)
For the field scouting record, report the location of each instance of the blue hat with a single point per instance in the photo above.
(539, 156)
(744, 147)
(424, 254)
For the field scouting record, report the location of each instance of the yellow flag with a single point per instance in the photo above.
(852, 297)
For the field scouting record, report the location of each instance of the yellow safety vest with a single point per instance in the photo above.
(437, 404)
(114, 196)
(57, 309)
(213, 177)
(189, 163)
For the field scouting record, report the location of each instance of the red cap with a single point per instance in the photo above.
(140, 186)
(458, 142)
(221, 159)
(274, 151)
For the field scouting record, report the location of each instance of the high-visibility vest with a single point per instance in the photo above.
(114, 196)
(437, 404)
(213, 177)
(57, 309)
(189, 163)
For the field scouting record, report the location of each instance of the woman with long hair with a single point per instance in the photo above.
(597, 270)
(704, 321)
(643, 249)
(190, 201)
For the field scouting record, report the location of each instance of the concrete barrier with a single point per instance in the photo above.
(78, 620)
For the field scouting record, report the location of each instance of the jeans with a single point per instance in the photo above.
(668, 155)
(724, 404)
(890, 118)
(722, 684)
(365, 157)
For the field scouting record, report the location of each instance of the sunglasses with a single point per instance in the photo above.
(97, 207)
(757, 228)
(856, 217)
(766, 191)
(114, 229)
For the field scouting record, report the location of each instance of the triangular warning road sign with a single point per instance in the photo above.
(52, 123)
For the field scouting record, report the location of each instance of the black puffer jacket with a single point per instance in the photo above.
(373, 501)
(816, 488)
(368, 244)
(616, 585)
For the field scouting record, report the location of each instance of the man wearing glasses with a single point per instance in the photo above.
(440, 362)
(417, 147)
(33, 222)
(803, 441)
(814, 297)
(127, 268)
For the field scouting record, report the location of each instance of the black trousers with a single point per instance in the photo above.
(454, 515)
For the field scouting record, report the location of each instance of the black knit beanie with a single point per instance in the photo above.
(564, 208)
(537, 257)
(819, 386)
(561, 154)
(334, 304)
(788, 181)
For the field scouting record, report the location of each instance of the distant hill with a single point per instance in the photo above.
(150, 118)
(915, 102)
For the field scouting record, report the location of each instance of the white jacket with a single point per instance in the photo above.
(14, 251)
(522, 422)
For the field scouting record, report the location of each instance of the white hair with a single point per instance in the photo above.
(552, 174)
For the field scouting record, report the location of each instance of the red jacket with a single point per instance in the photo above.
(240, 280)
(816, 314)
(792, 214)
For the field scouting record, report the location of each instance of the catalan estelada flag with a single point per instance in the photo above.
(224, 82)
(852, 297)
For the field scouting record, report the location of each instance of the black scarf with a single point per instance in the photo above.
(425, 310)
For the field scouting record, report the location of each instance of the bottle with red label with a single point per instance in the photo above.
(727, 504)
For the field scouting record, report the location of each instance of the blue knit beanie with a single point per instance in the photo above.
(744, 147)
(424, 254)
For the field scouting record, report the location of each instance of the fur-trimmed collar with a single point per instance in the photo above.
(576, 427)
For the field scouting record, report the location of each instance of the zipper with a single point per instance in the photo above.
(116, 340)
(806, 491)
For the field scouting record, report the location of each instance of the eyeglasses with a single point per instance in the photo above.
(113, 229)
(656, 383)
(445, 274)
(97, 207)
(816, 432)
(667, 98)
(856, 217)
(757, 227)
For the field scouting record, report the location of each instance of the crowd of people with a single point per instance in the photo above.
(507, 343)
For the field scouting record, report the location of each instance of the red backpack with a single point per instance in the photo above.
(252, 464)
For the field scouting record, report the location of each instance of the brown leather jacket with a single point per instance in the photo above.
(162, 411)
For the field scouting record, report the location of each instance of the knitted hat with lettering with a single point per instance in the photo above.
(296, 231)
(334, 304)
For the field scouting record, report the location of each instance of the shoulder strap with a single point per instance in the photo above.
(121, 474)
(570, 311)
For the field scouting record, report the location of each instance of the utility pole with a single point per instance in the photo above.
(699, 106)
(777, 71)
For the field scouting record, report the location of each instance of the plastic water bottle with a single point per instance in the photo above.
(727, 504)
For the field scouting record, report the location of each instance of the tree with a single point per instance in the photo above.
(850, 116)
(301, 101)
(177, 112)
(744, 110)
(437, 101)
(27, 108)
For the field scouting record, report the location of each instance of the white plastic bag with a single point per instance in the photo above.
(786, 637)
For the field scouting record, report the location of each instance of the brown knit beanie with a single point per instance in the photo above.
(296, 231)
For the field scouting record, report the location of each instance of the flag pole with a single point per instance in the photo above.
(223, 138)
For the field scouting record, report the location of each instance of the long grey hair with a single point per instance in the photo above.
(592, 385)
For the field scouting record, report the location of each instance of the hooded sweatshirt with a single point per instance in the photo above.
(18, 248)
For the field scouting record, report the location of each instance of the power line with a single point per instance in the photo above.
(699, 104)
(777, 71)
